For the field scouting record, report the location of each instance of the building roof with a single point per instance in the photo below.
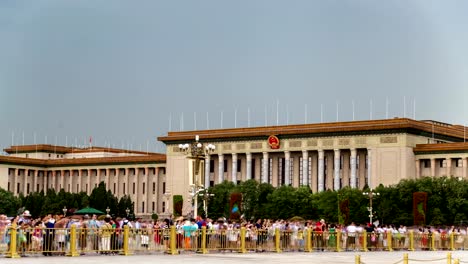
(396, 125)
(154, 158)
(458, 147)
(65, 150)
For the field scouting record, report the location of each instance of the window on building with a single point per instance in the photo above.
(153, 206)
(238, 182)
(309, 175)
(86, 187)
(77, 188)
(133, 187)
(291, 170)
(341, 161)
(357, 162)
(154, 188)
(164, 187)
(459, 163)
(58, 156)
(17, 187)
(253, 169)
(270, 171)
(426, 163)
(239, 165)
(301, 172)
(27, 155)
(211, 183)
(212, 165)
(124, 188)
(144, 184)
(225, 165)
(280, 171)
(27, 188)
(37, 188)
(8, 186)
(69, 188)
(114, 187)
(50, 155)
(163, 207)
(142, 207)
(443, 163)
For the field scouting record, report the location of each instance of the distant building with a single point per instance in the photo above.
(323, 156)
(34, 168)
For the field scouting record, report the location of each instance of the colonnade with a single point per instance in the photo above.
(437, 166)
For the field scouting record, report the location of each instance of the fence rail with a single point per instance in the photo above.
(74, 241)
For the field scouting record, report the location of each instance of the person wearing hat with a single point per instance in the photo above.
(188, 228)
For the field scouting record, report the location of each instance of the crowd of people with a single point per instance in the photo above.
(51, 235)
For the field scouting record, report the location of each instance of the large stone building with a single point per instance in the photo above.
(322, 156)
(34, 168)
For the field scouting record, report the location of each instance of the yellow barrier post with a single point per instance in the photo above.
(357, 259)
(405, 258)
(126, 234)
(452, 241)
(308, 241)
(242, 240)
(389, 240)
(411, 240)
(338, 240)
(449, 258)
(433, 242)
(277, 240)
(73, 252)
(203, 240)
(12, 253)
(173, 244)
(456, 261)
(364, 240)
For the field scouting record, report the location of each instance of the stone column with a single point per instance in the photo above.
(88, 181)
(220, 168)
(265, 170)
(207, 171)
(336, 172)
(418, 168)
(127, 180)
(449, 166)
(287, 170)
(62, 179)
(465, 165)
(321, 172)
(234, 168)
(107, 182)
(353, 167)
(35, 181)
(25, 181)
(433, 164)
(248, 171)
(305, 168)
(369, 167)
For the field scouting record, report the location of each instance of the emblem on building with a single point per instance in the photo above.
(274, 142)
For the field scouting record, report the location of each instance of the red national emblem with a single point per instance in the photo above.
(274, 142)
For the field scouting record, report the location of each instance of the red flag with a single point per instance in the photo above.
(90, 140)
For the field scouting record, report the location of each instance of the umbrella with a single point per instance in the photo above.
(89, 210)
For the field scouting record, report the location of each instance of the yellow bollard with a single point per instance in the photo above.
(433, 242)
(73, 252)
(338, 240)
(364, 240)
(173, 240)
(203, 241)
(456, 261)
(242, 242)
(12, 253)
(126, 233)
(357, 259)
(389, 240)
(405, 258)
(411, 240)
(449, 258)
(452, 241)
(277, 240)
(308, 241)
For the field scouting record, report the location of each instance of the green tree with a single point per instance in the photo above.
(8, 203)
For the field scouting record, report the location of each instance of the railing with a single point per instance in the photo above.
(75, 241)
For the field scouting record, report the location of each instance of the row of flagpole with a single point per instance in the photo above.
(306, 111)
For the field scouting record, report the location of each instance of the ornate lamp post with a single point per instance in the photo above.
(107, 210)
(196, 152)
(127, 211)
(371, 195)
(64, 211)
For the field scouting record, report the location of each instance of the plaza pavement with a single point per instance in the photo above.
(258, 258)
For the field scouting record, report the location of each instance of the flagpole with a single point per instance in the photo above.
(195, 120)
(12, 138)
(23, 138)
(277, 112)
(235, 118)
(248, 117)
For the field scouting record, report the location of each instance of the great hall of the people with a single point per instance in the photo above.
(322, 156)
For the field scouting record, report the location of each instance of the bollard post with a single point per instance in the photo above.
(357, 259)
(433, 242)
(405, 258)
(12, 253)
(452, 241)
(389, 240)
(411, 240)
(364, 241)
(449, 258)
(277, 240)
(308, 241)
(338, 240)
(242, 242)
(73, 252)
(456, 261)
(203, 241)
(126, 232)
(173, 240)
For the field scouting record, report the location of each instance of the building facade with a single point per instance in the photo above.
(35, 168)
(325, 156)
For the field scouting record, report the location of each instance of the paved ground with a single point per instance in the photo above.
(258, 258)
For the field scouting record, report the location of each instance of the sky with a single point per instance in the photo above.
(126, 72)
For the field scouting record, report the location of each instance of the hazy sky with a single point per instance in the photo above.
(117, 70)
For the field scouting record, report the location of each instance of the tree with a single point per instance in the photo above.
(8, 203)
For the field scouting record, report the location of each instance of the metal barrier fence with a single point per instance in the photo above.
(74, 241)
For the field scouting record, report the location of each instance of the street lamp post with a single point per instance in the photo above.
(371, 195)
(107, 210)
(64, 211)
(206, 195)
(197, 152)
(127, 211)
